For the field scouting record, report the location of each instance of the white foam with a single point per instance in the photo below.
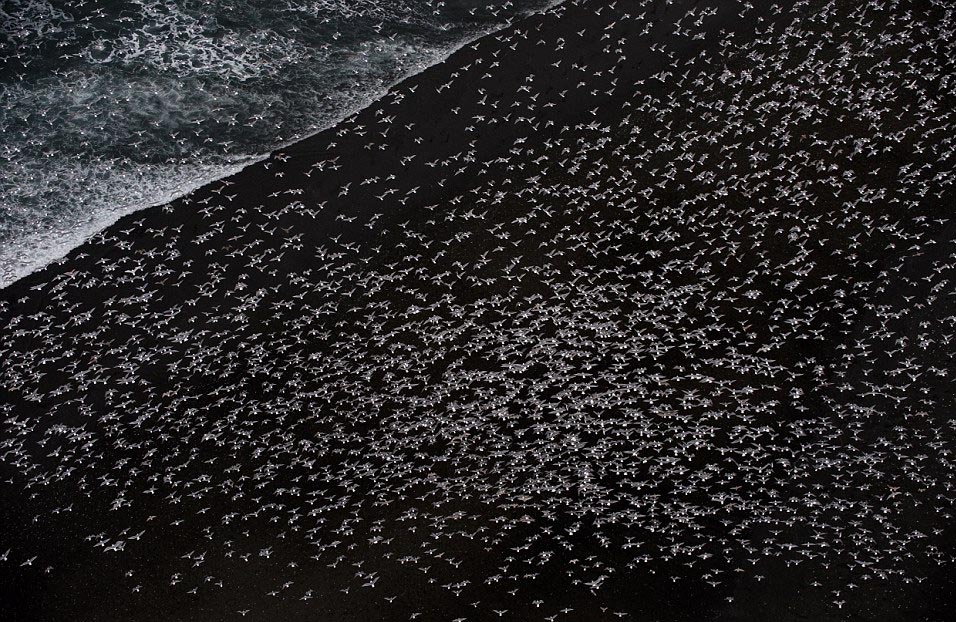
(180, 43)
(40, 238)
(26, 22)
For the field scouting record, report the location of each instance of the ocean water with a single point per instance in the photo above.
(109, 106)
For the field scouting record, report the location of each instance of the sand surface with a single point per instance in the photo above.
(622, 313)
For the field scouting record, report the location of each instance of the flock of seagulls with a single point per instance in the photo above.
(632, 310)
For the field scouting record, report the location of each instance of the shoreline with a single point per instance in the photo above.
(59, 252)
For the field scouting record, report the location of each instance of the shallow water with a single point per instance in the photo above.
(112, 106)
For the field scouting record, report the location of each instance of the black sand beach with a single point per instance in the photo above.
(626, 312)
